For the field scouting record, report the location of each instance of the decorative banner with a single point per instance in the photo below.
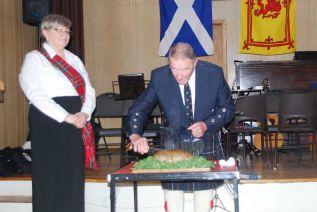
(267, 27)
(188, 21)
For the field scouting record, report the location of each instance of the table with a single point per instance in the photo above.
(125, 174)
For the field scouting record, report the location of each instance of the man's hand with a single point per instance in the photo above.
(140, 144)
(198, 129)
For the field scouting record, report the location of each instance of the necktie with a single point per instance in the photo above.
(188, 103)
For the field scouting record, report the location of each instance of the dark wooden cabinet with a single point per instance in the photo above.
(293, 74)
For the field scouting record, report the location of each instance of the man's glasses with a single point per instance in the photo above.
(61, 31)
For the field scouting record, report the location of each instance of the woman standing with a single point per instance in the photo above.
(62, 99)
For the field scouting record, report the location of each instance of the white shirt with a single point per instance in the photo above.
(41, 81)
(192, 85)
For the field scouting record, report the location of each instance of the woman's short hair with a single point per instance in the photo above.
(51, 21)
(182, 50)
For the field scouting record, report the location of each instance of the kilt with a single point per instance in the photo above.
(212, 151)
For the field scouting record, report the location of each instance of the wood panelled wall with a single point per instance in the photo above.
(16, 39)
(123, 40)
(121, 36)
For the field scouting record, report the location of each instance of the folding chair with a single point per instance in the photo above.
(107, 107)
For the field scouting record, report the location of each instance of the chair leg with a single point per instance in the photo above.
(247, 148)
(252, 148)
(97, 139)
(264, 151)
(228, 145)
(107, 148)
(297, 143)
(313, 148)
(244, 146)
(123, 151)
(276, 159)
(268, 147)
(233, 144)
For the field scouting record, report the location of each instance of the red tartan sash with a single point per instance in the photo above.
(79, 84)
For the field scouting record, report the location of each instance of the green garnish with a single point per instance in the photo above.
(195, 162)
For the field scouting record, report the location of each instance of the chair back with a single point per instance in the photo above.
(272, 102)
(251, 109)
(108, 107)
(296, 109)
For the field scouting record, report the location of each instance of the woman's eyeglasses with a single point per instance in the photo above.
(61, 31)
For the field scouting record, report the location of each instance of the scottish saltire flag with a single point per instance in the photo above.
(187, 21)
(267, 27)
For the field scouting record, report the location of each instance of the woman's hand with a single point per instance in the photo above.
(70, 118)
(78, 119)
(81, 119)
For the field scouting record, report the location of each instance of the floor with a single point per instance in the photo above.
(291, 167)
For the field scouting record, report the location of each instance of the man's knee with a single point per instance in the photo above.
(174, 200)
(204, 200)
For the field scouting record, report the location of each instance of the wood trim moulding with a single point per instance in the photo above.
(1, 91)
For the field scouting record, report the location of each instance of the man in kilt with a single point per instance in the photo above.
(196, 102)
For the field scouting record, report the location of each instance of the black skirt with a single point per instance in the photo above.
(57, 161)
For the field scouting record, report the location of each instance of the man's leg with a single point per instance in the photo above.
(174, 201)
(203, 200)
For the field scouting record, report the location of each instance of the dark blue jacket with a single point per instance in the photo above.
(214, 104)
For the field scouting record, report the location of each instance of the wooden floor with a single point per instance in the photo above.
(291, 168)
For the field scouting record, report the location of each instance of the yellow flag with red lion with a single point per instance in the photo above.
(267, 27)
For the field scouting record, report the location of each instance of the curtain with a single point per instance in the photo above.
(72, 9)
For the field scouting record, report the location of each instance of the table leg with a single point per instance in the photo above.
(135, 195)
(113, 196)
(236, 195)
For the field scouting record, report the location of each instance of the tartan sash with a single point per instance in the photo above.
(79, 84)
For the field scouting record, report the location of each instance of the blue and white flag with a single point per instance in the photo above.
(188, 21)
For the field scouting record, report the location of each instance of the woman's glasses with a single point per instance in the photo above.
(61, 31)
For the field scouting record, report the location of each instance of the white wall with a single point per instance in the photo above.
(270, 197)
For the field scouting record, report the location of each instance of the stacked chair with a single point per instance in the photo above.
(250, 119)
(297, 123)
(297, 118)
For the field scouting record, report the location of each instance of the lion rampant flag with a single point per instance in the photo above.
(267, 27)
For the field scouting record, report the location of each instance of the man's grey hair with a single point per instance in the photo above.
(182, 51)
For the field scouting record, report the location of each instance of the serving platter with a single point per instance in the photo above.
(170, 170)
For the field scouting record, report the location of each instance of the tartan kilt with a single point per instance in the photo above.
(212, 151)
